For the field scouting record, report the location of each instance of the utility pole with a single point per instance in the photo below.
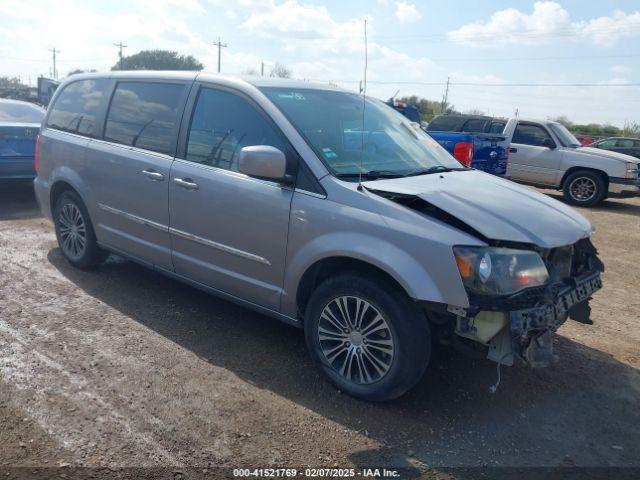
(220, 45)
(54, 73)
(516, 113)
(445, 98)
(262, 69)
(120, 45)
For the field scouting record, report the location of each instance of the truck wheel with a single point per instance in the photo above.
(74, 232)
(584, 188)
(371, 342)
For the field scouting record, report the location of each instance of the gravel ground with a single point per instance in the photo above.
(121, 367)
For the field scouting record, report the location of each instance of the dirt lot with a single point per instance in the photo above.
(123, 367)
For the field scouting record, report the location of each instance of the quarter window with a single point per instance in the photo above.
(527, 134)
(144, 115)
(76, 108)
(222, 124)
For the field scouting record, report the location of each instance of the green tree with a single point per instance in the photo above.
(428, 108)
(158, 60)
(281, 71)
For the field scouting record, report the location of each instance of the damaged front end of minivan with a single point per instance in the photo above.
(519, 293)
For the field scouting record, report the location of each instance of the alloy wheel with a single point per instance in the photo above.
(356, 339)
(583, 189)
(73, 231)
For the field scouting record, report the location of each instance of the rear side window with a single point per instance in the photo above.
(76, 108)
(496, 127)
(625, 143)
(527, 134)
(476, 125)
(144, 115)
(222, 124)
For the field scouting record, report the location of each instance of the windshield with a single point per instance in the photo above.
(565, 136)
(332, 124)
(20, 113)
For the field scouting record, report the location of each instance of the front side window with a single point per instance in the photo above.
(350, 143)
(20, 112)
(222, 124)
(528, 134)
(606, 144)
(144, 115)
(76, 108)
(567, 138)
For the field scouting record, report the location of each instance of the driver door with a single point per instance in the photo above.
(535, 156)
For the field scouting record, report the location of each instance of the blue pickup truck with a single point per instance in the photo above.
(474, 140)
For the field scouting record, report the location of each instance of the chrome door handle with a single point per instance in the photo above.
(186, 183)
(153, 175)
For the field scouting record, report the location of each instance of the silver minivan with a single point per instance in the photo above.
(319, 207)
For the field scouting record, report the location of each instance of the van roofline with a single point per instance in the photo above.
(252, 80)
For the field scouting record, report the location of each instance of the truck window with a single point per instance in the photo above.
(497, 127)
(529, 134)
(475, 125)
(76, 107)
(143, 115)
(445, 123)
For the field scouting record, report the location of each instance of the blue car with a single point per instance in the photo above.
(19, 127)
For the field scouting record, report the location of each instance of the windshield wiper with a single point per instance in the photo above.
(434, 169)
(372, 174)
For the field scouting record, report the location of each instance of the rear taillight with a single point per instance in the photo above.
(36, 154)
(463, 152)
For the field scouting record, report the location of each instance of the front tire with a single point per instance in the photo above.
(75, 233)
(371, 342)
(584, 188)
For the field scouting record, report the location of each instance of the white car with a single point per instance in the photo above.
(545, 154)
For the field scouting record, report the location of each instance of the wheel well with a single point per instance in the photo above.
(58, 189)
(604, 176)
(332, 266)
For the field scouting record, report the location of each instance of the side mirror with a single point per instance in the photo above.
(264, 161)
(547, 142)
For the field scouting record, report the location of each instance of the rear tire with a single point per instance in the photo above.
(371, 342)
(75, 233)
(584, 188)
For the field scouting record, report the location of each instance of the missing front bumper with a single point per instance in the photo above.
(527, 336)
(530, 333)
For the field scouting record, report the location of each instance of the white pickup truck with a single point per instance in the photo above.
(545, 154)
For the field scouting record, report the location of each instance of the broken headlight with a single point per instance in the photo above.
(499, 271)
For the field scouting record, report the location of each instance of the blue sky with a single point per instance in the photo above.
(412, 44)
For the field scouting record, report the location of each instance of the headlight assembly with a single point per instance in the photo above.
(499, 271)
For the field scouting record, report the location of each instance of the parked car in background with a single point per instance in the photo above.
(475, 141)
(628, 146)
(19, 126)
(545, 154)
(251, 191)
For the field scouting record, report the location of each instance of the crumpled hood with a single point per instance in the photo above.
(599, 152)
(496, 208)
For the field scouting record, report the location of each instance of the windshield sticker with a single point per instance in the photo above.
(328, 153)
(291, 96)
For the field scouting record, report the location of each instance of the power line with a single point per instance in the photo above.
(484, 84)
(220, 46)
